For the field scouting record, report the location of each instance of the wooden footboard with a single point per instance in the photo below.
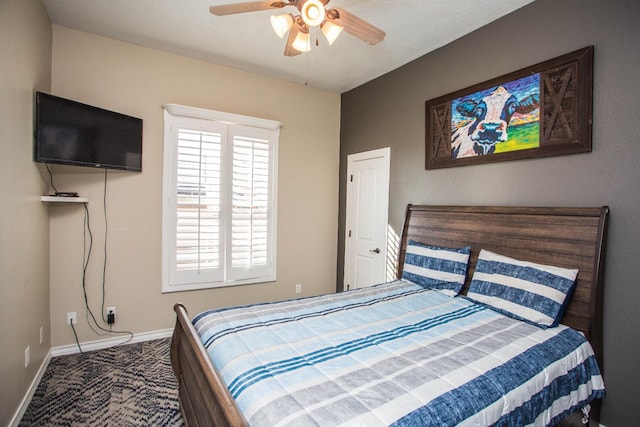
(204, 399)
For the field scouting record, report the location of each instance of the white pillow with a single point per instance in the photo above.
(434, 267)
(536, 293)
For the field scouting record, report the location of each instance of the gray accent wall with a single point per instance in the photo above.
(390, 112)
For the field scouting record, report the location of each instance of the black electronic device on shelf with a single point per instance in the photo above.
(72, 133)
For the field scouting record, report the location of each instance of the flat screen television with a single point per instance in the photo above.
(72, 133)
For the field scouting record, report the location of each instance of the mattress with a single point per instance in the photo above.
(396, 354)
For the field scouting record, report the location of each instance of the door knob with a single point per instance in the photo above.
(376, 250)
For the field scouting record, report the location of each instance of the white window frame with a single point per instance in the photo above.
(227, 124)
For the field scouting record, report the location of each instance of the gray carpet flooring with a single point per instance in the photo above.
(129, 385)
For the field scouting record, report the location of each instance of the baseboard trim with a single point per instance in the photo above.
(73, 349)
(110, 342)
(30, 391)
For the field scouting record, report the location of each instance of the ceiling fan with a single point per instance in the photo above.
(313, 13)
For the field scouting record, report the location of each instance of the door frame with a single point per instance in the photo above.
(385, 153)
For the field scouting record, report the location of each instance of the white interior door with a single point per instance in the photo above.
(366, 218)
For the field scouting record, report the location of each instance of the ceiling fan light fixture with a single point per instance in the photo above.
(331, 31)
(281, 23)
(309, 13)
(313, 12)
(302, 42)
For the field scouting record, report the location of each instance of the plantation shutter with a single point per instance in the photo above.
(219, 199)
(250, 204)
(199, 252)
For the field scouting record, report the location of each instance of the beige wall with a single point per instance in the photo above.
(137, 81)
(25, 66)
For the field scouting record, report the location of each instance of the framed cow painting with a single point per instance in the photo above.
(543, 110)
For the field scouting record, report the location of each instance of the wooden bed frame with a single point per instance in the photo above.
(565, 237)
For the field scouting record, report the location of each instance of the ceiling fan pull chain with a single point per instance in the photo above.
(306, 71)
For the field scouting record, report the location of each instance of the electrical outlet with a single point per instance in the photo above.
(298, 288)
(111, 315)
(72, 318)
(27, 356)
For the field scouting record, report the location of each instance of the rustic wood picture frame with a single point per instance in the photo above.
(564, 115)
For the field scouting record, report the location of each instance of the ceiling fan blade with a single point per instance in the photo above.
(288, 49)
(355, 26)
(252, 6)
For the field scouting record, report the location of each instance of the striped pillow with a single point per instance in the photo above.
(535, 293)
(433, 267)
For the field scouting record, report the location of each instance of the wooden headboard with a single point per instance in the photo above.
(564, 237)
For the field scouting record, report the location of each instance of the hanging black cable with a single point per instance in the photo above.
(89, 314)
(76, 335)
(104, 263)
(85, 264)
(55, 190)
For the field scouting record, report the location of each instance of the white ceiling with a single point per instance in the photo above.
(246, 41)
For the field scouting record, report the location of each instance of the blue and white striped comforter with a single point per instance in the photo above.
(396, 354)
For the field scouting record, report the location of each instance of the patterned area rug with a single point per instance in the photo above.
(129, 385)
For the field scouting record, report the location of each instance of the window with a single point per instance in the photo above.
(219, 199)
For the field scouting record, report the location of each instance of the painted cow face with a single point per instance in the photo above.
(492, 115)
